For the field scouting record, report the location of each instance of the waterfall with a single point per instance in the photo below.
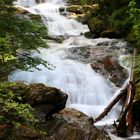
(56, 23)
(26, 3)
(88, 91)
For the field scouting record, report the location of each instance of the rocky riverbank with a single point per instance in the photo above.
(47, 101)
(104, 59)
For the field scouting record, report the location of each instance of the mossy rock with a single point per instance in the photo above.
(38, 95)
(75, 9)
(88, 35)
(97, 25)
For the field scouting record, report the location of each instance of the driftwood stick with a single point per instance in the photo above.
(109, 107)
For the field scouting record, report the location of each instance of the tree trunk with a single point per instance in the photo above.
(109, 107)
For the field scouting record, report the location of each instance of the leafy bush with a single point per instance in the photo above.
(120, 20)
(19, 36)
(12, 110)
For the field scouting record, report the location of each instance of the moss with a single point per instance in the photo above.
(97, 25)
(75, 9)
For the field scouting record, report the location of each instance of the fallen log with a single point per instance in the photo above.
(126, 119)
(109, 107)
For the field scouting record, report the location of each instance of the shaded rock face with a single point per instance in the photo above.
(97, 25)
(70, 124)
(46, 100)
(100, 27)
(104, 59)
(20, 133)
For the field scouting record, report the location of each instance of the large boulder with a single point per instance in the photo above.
(67, 124)
(46, 100)
(97, 25)
(70, 124)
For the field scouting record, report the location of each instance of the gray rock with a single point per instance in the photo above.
(70, 124)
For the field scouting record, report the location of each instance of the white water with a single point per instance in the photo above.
(88, 91)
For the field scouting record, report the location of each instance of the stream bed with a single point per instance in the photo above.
(88, 91)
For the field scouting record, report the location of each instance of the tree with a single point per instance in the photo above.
(19, 35)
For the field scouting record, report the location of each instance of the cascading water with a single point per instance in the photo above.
(88, 91)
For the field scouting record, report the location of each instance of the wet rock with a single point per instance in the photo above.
(77, 9)
(80, 53)
(57, 39)
(111, 69)
(104, 59)
(70, 124)
(27, 14)
(109, 43)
